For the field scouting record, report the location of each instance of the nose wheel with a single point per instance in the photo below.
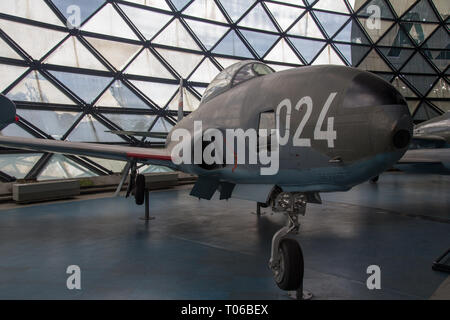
(286, 261)
(289, 272)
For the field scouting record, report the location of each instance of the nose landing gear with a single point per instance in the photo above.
(286, 261)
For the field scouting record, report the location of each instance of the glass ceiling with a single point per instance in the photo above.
(79, 68)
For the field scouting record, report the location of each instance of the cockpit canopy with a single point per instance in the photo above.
(234, 75)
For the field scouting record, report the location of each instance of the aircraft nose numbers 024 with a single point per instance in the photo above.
(330, 135)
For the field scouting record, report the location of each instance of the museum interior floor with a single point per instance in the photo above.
(219, 250)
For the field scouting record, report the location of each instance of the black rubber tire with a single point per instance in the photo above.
(139, 192)
(293, 265)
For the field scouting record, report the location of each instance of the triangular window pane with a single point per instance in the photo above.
(352, 33)
(397, 56)
(107, 21)
(418, 64)
(74, 54)
(396, 37)
(442, 7)
(160, 4)
(386, 76)
(306, 27)
(421, 12)
(232, 45)
(439, 40)
(284, 15)
(146, 64)
(441, 90)
(35, 88)
(444, 106)
(111, 165)
(403, 88)
(61, 167)
(160, 93)
(190, 102)
(7, 52)
(131, 122)
(356, 4)
(200, 90)
(30, 9)
(375, 33)
(412, 105)
(257, 18)
(91, 130)
(180, 4)
(183, 63)
(161, 125)
(308, 48)
(282, 52)
(373, 62)
(236, 9)
(22, 33)
(146, 21)
(331, 22)
(205, 9)
(120, 96)
(9, 74)
(440, 58)
(18, 165)
(208, 33)
(176, 35)
(86, 87)
(54, 123)
(352, 53)
(332, 5)
(400, 6)
(368, 9)
(294, 2)
(422, 83)
(66, 7)
(419, 31)
(225, 62)
(206, 72)
(261, 42)
(117, 53)
(425, 112)
(328, 56)
(14, 130)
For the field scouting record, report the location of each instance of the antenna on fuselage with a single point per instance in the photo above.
(180, 102)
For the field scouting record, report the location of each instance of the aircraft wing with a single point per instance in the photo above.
(144, 155)
(426, 156)
(157, 135)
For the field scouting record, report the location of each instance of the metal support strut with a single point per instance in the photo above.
(147, 207)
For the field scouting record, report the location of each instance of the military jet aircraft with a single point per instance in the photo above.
(328, 128)
(429, 150)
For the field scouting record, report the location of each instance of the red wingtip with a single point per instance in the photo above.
(17, 119)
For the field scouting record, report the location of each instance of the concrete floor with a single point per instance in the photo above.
(218, 250)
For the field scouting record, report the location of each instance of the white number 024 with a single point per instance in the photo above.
(329, 134)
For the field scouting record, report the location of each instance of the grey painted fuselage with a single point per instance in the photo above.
(367, 111)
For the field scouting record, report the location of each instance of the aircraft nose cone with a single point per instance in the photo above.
(391, 122)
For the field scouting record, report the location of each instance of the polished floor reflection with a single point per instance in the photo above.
(218, 250)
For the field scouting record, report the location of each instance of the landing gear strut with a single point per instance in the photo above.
(286, 260)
